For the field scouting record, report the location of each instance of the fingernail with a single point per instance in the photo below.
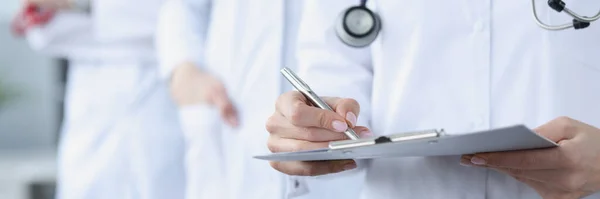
(339, 126)
(351, 117)
(465, 162)
(477, 160)
(366, 133)
(349, 166)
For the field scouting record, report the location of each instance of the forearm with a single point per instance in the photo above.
(180, 37)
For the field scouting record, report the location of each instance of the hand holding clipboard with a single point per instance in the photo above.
(302, 132)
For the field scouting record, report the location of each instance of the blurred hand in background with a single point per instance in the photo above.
(191, 85)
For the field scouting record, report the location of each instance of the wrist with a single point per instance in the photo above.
(183, 71)
(183, 76)
(185, 84)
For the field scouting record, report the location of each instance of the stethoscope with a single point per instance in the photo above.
(358, 26)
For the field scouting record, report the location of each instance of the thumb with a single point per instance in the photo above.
(345, 107)
(562, 128)
(363, 132)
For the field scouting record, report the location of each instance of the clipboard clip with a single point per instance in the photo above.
(402, 137)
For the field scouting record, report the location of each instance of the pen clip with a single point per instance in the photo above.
(403, 137)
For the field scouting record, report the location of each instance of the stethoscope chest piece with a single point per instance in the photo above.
(357, 26)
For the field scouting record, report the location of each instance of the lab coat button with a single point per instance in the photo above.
(297, 188)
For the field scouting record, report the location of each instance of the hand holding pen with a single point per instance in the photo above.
(299, 123)
(315, 100)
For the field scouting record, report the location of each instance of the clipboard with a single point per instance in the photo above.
(435, 142)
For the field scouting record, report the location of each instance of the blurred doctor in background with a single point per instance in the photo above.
(223, 59)
(120, 135)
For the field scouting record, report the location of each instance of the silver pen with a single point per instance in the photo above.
(311, 96)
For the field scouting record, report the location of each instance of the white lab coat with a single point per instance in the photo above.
(459, 65)
(120, 137)
(244, 43)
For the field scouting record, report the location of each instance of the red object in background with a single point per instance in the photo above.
(30, 16)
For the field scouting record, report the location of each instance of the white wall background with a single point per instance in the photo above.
(31, 120)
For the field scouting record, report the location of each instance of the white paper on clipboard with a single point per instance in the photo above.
(422, 143)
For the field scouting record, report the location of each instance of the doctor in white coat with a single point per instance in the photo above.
(223, 59)
(120, 136)
(462, 66)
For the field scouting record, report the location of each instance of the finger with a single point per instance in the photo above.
(285, 101)
(547, 189)
(293, 106)
(543, 175)
(231, 116)
(279, 125)
(345, 107)
(278, 144)
(363, 132)
(561, 128)
(226, 108)
(539, 187)
(518, 174)
(313, 134)
(555, 179)
(313, 168)
(525, 159)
